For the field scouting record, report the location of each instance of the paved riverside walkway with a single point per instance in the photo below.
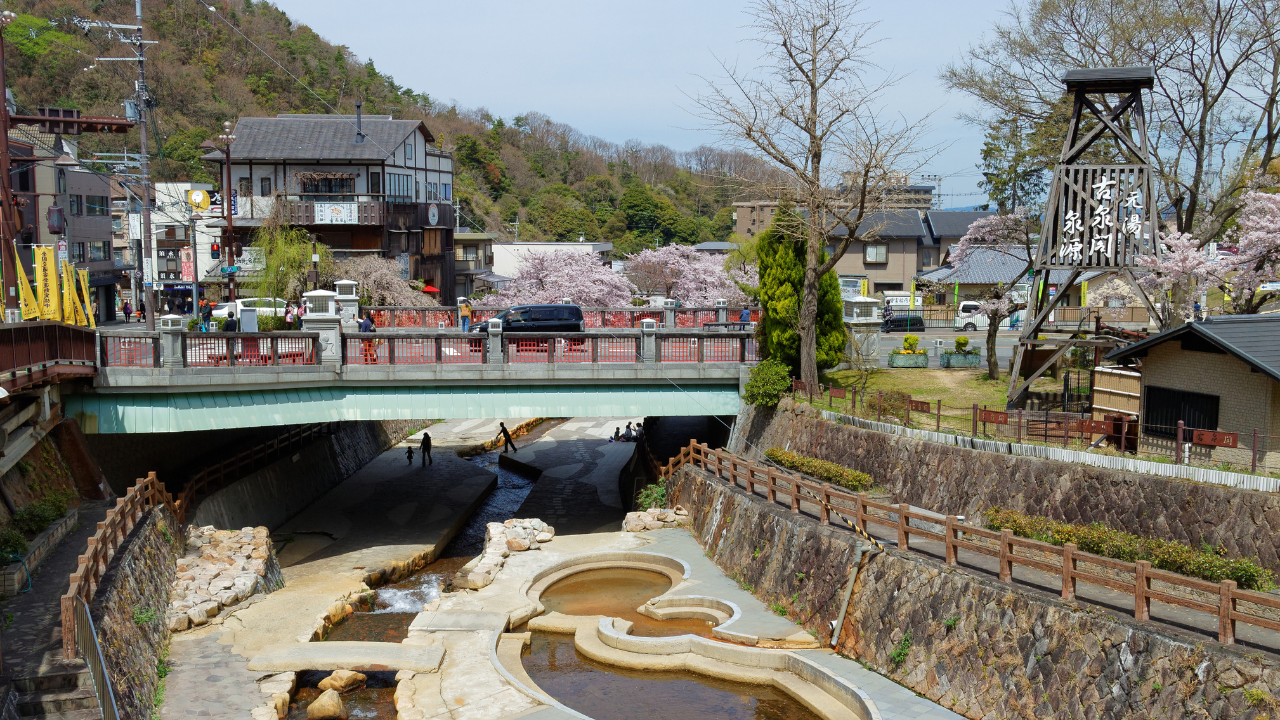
(33, 641)
(1194, 625)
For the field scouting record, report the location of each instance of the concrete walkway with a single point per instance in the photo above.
(895, 702)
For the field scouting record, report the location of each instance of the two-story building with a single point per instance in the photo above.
(473, 261)
(362, 184)
(945, 227)
(888, 253)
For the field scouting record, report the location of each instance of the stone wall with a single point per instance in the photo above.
(39, 474)
(279, 491)
(960, 481)
(129, 610)
(984, 649)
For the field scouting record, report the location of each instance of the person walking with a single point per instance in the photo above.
(506, 439)
(206, 315)
(426, 449)
(464, 315)
(141, 311)
(230, 325)
(288, 315)
(409, 453)
(127, 311)
(744, 317)
(888, 317)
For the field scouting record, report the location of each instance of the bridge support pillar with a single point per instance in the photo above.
(669, 313)
(495, 342)
(649, 340)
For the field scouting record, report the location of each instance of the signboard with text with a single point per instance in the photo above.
(335, 213)
(188, 264)
(1101, 217)
(991, 416)
(1215, 439)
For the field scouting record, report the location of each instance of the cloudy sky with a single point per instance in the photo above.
(624, 70)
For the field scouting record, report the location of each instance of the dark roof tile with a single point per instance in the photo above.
(318, 137)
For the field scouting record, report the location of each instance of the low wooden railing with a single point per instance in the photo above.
(147, 493)
(855, 509)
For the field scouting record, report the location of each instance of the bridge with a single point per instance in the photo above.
(177, 381)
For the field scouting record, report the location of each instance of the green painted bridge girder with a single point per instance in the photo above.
(113, 413)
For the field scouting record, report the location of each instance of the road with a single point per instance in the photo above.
(1006, 342)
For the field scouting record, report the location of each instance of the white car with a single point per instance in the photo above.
(264, 306)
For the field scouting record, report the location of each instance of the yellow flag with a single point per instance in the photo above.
(72, 310)
(30, 308)
(47, 298)
(88, 297)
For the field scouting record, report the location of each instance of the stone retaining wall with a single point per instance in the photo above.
(953, 480)
(279, 491)
(985, 649)
(129, 610)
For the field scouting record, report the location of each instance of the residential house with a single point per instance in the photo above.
(753, 216)
(715, 248)
(1220, 374)
(473, 261)
(507, 256)
(362, 184)
(889, 254)
(945, 227)
(984, 267)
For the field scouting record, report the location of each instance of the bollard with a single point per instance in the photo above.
(975, 420)
(1177, 451)
(879, 405)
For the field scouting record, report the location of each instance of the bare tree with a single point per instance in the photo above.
(812, 111)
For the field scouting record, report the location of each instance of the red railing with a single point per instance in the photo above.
(249, 349)
(732, 347)
(35, 352)
(692, 318)
(137, 350)
(426, 317)
(412, 349)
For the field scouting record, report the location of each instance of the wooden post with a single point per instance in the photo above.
(975, 420)
(1069, 571)
(879, 405)
(1253, 464)
(1006, 550)
(1226, 606)
(795, 494)
(938, 425)
(1177, 451)
(824, 509)
(772, 492)
(1019, 425)
(1124, 434)
(950, 536)
(903, 540)
(1141, 586)
(908, 421)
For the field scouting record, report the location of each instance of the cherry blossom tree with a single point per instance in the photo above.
(1255, 242)
(681, 273)
(1008, 235)
(1178, 277)
(380, 282)
(550, 277)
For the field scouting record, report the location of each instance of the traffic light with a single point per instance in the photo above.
(214, 251)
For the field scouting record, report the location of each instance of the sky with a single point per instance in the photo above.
(625, 71)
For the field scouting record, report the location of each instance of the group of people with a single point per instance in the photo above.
(628, 435)
(424, 446)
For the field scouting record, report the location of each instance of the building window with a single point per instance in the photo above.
(417, 190)
(246, 187)
(926, 257)
(466, 252)
(60, 186)
(77, 252)
(97, 205)
(329, 186)
(408, 150)
(446, 192)
(24, 181)
(266, 186)
(75, 205)
(117, 224)
(877, 254)
(399, 187)
(1164, 407)
(375, 182)
(100, 250)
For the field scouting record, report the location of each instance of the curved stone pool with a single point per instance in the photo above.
(617, 592)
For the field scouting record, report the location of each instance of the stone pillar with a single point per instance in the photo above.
(348, 299)
(669, 313)
(495, 342)
(722, 310)
(171, 332)
(321, 318)
(649, 340)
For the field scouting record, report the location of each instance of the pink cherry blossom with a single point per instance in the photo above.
(681, 273)
(550, 277)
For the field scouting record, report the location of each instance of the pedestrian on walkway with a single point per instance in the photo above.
(369, 348)
(206, 316)
(464, 315)
(142, 311)
(506, 439)
(426, 449)
(288, 315)
(409, 453)
(744, 317)
(127, 309)
(230, 325)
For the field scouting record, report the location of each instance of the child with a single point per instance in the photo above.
(409, 452)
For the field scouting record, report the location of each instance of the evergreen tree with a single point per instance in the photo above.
(781, 258)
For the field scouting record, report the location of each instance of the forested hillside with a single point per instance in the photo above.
(555, 182)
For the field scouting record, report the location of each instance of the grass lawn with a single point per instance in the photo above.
(955, 388)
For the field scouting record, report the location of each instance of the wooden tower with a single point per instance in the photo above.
(1100, 215)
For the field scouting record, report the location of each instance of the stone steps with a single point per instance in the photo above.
(50, 703)
(93, 714)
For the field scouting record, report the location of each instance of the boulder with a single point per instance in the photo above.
(178, 621)
(517, 544)
(633, 523)
(281, 701)
(680, 510)
(403, 675)
(197, 616)
(342, 681)
(263, 713)
(537, 524)
(549, 530)
(667, 516)
(327, 707)
(281, 683)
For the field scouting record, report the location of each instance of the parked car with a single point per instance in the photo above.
(264, 306)
(538, 318)
(903, 323)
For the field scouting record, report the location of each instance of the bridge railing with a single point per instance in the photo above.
(134, 349)
(255, 349)
(414, 349)
(735, 347)
(31, 352)
(571, 348)
(387, 316)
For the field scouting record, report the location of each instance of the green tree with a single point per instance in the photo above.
(481, 157)
(782, 265)
(722, 224)
(285, 254)
(1014, 174)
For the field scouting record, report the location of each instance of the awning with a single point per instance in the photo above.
(430, 288)
(494, 278)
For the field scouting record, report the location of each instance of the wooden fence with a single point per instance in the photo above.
(855, 509)
(147, 493)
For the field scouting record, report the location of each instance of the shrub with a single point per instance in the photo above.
(652, 496)
(769, 381)
(12, 541)
(911, 343)
(962, 346)
(903, 649)
(1206, 564)
(37, 516)
(194, 324)
(821, 469)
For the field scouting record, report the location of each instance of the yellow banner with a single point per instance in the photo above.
(30, 308)
(47, 298)
(72, 309)
(88, 297)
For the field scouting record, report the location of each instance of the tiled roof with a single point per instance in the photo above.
(1254, 339)
(990, 265)
(316, 137)
(891, 224)
(952, 223)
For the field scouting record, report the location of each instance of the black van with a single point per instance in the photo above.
(907, 323)
(538, 318)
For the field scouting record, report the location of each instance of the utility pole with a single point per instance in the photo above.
(8, 234)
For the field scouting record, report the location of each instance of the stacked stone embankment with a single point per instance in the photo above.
(958, 481)
(500, 540)
(655, 519)
(221, 568)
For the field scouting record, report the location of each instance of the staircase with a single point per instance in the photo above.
(58, 696)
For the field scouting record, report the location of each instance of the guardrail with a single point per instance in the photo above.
(238, 465)
(414, 349)
(717, 347)
(1223, 598)
(388, 316)
(257, 349)
(34, 352)
(87, 641)
(147, 493)
(139, 349)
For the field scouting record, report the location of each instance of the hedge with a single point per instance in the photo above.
(1206, 564)
(821, 469)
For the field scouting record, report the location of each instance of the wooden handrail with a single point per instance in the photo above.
(1063, 561)
(147, 493)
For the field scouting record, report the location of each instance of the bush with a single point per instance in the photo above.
(652, 496)
(37, 516)
(910, 346)
(194, 324)
(1207, 564)
(821, 469)
(962, 346)
(769, 381)
(12, 541)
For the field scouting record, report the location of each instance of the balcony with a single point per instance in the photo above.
(335, 209)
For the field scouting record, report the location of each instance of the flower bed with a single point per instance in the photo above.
(1168, 555)
(908, 360)
(821, 469)
(959, 360)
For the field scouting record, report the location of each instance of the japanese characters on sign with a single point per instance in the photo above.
(1213, 438)
(1103, 213)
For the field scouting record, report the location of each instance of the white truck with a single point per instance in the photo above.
(967, 318)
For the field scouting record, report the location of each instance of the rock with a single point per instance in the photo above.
(654, 525)
(667, 516)
(281, 683)
(549, 530)
(537, 524)
(543, 537)
(263, 713)
(342, 681)
(633, 523)
(407, 674)
(327, 707)
(517, 544)
(680, 510)
(412, 713)
(227, 597)
(281, 701)
(197, 616)
(178, 621)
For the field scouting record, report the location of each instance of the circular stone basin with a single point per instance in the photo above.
(608, 693)
(617, 592)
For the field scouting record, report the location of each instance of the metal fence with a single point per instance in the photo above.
(86, 642)
(250, 349)
(132, 350)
